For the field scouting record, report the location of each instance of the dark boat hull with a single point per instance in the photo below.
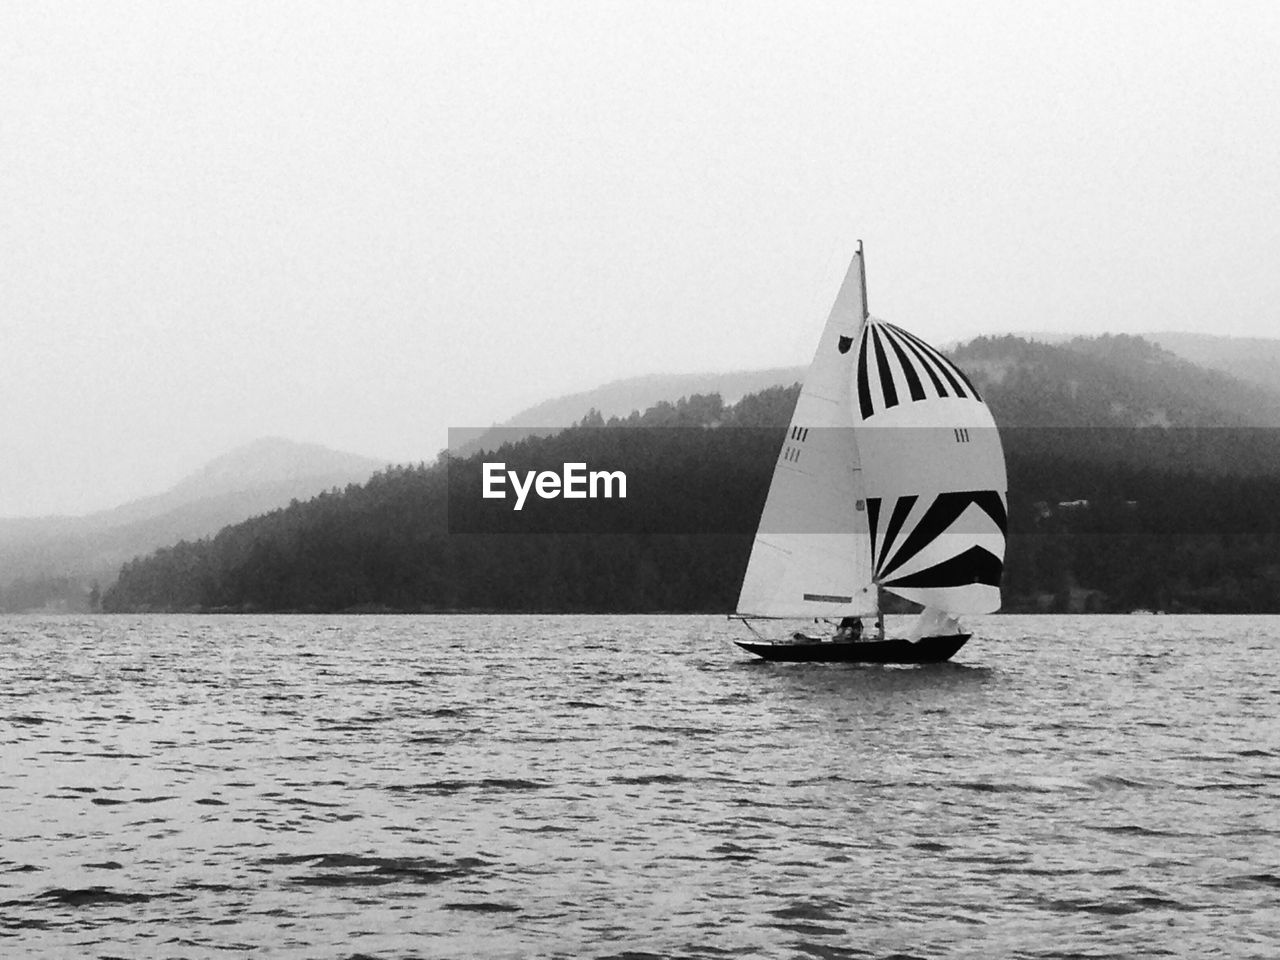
(924, 650)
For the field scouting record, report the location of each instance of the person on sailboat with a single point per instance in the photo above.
(849, 631)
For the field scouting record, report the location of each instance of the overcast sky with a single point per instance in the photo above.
(362, 223)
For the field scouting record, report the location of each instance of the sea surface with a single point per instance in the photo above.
(629, 787)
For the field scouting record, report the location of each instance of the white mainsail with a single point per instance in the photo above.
(892, 475)
(812, 552)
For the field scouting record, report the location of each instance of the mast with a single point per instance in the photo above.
(866, 315)
(862, 268)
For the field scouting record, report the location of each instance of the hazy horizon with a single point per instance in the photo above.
(361, 225)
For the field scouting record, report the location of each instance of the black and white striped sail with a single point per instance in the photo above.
(933, 474)
(892, 475)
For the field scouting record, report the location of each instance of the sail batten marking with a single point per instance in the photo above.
(827, 598)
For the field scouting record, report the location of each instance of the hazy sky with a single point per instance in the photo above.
(362, 223)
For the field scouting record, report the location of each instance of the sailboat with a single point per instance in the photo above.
(891, 479)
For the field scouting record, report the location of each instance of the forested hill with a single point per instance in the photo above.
(386, 545)
(1137, 511)
(618, 399)
(1108, 381)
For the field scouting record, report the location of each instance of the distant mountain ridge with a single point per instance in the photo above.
(1116, 380)
(1113, 381)
(1190, 382)
(271, 465)
(619, 398)
(1116, 493)
(50, 561)
(1251, 359)
(1254, 360)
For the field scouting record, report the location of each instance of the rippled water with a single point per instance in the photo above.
(634, 786)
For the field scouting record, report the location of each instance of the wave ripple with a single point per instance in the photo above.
(632, 787)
